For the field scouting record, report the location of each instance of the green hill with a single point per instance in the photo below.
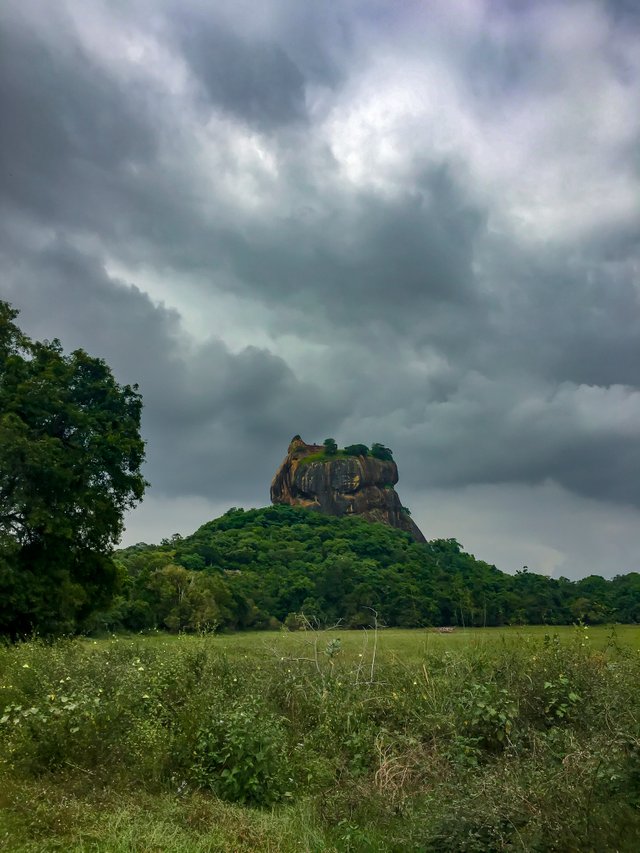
(257, 568)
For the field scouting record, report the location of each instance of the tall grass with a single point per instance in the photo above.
(305, 743)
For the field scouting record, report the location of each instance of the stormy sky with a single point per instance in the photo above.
(407, 222)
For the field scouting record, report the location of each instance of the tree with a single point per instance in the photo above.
(70, 459)
(330, 446)
(356, 450)
(379, 451)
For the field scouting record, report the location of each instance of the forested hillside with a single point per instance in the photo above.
(258, 568)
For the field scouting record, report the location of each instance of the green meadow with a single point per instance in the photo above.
(412, 645)
(389, 740)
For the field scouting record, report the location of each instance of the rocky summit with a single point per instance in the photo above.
(341, 484)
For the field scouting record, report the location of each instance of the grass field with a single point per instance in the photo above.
(412, 645)
(478, 740)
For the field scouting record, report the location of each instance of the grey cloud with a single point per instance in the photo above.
(317, 40)
(566, 315)
(257, 81)
(82, 152)
(624, 11)
(504, 432)
(544, 527)
(258, 67)
(68, 127)
(214, 420)
(373, 259)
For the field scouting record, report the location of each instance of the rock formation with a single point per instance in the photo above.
(341, 485)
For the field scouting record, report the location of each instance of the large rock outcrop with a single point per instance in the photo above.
(341, 485)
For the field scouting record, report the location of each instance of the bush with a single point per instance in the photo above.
(241, 755)
(485, 745)
(379, 451)
(356, 450)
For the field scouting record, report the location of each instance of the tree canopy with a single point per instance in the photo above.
(379, 451)
(269, 564)
(330, 446)
(70, 460)
(356, 450)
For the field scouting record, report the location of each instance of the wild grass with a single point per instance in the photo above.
(321, 456)
(409, 645)
(401, 740)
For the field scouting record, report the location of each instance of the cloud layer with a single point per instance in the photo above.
(413, 223)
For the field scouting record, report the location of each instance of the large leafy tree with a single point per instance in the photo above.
(70, 459)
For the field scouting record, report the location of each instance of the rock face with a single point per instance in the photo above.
(344, 485)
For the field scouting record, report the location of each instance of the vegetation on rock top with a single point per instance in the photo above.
(331, 451)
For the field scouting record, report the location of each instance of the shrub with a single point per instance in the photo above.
(456, 747)
(489, 714)
(356, 450)
(241, 755)
(379, 451)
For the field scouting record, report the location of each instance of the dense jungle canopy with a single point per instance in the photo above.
(261, 567)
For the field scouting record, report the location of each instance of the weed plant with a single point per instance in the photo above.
(531, 744)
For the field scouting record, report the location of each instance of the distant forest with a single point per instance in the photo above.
(261, 568)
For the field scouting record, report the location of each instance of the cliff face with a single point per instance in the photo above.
(344, 485)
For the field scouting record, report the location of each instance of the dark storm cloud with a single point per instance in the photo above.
(260, 74)
(83, 150)
(573, 318)
(205, 407)
(67, 127)
(248, 154)
(301, 42)
(579, 436)
(627, 12)
(257, 81)
(388, 260)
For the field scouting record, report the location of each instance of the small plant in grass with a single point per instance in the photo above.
(464, 751)
(333, 648)
(241, 754)
(489, 715)
(560, 701)
(554, 690)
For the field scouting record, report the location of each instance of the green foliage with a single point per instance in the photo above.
(489, 715)
(379, 451)
(241, 755)
(330, 446)
(559, 699)
(447, 749)
(254, 569)
(70, 458)
(331, 451)
(356, 450)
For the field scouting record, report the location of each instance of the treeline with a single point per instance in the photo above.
(377, 450)
(257, 569)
